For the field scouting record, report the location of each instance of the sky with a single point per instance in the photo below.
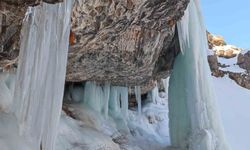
(230, 19)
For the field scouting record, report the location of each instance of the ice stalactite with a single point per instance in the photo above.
(165, 84)
(105, 100)
(124, 101)
(41, 72)
(93, 95)
(106, 94)
(194, 121)
(155, 94)
(138, 98)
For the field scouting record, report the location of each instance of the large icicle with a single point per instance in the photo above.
(41, 72)
(106, 94)
(124, 101)
(138, 98)
(194, 121)
(165, 84)
(155, 94)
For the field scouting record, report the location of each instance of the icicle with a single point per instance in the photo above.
(41, 72)
(165, 84)
(138, 98)
(113, 101)
(106, 96)
(155, 93)
(91, 97)
(193, 115)
(124, 101)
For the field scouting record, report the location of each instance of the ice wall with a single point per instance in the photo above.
(41, 72)
(194, 122)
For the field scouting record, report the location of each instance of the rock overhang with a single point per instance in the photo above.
(125, 42)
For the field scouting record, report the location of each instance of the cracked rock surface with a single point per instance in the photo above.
(125, 42)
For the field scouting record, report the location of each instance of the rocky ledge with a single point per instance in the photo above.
(125, 42)
(229, 60)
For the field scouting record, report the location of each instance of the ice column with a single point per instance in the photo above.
(155, 94)
(138, 98)
(194, 121)
(124, 101)
(41, 72)
(165, 84)
(106, 94)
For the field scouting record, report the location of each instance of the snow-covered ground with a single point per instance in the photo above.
(231, 65)
(150, 131)
(234, 105)
(147, 132)
(92, 131)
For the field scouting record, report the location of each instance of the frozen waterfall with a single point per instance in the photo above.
(41, 72)
(194, 121)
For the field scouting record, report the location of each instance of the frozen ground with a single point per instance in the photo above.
(150, 131)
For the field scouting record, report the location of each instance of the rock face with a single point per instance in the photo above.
(244, 61)
(215, 40)
(125, 42)
(220, 48)
(122, 41)
(229, 60)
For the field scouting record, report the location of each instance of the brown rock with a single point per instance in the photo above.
(126, 42)
(124, 46)
(218, 40)
(244, 61)
(213, 62)
(241, 79)
(229, 54)
(220, 53)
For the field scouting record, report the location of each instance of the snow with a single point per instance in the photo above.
(231, 65)
(7, 84)
(75, 135)
(227, 48)
(234, 103)
(9, 137)
(151, 130)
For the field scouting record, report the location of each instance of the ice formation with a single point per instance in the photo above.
(7, 84)
(138, 98)
(165, 84)
(41, 72)
(155, 93)
(194, 121)
(149, 130)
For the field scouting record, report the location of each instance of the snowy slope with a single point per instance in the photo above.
(234, 105)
